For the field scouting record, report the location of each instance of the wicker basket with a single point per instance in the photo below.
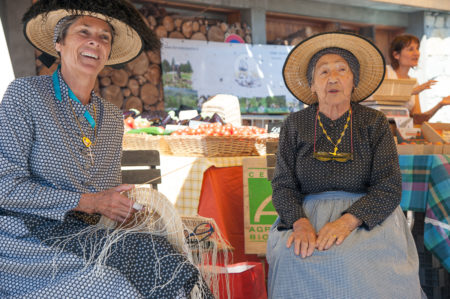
(261, 141)
(133, 142)
(212, 146)
(397, 90)
(191, 222)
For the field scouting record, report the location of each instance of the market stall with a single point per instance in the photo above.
(220, 172)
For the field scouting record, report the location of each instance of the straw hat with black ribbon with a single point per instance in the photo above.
(371, 61)
(131, 34)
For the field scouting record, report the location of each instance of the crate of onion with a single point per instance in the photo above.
(215, 140)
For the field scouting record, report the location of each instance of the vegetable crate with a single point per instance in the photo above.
(262, 140)
(395, 90)
(212, 146)
(132, 142)
(436, 132)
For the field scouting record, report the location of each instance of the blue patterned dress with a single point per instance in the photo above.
(44, 169)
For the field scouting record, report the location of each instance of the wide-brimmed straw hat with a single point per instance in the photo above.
(131, 34)
(372, 65)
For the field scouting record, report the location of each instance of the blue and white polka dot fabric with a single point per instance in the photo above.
(44, 169)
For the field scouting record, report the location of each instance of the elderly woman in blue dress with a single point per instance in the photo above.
(337, 183)
(60, 154)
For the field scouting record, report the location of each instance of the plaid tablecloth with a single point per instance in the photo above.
(426, 188)
(182, 179)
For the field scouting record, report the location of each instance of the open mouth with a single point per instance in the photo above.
(333, 91)
(89, 55)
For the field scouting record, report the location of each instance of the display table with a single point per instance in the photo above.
(182, 179)
(426, 188)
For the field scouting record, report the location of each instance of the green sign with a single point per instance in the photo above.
(261, 209)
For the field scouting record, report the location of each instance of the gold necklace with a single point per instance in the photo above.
(86, 141)
(342, 134)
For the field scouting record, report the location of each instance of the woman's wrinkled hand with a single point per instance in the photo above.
(304, 238)
(336, 231)
(110, 203)
(422, 87)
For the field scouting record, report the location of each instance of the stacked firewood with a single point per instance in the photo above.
(198, 28)
(134, 85)
(138, 85)
(191, 27)
(295, 38)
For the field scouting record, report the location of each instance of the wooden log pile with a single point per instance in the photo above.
(196, 28)
(296, 37)
(135, 86)
(138, 85)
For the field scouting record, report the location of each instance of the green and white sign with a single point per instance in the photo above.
(259, 213)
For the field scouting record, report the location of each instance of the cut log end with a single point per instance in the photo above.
(149, 94)
(215, 34)
(198, 36)
(113, 94)
(134, 103)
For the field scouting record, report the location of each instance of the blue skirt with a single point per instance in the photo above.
(380, 263)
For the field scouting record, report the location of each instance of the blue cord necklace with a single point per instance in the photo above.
(57, 89)
(86, 141)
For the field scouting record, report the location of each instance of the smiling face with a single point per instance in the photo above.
(86, 47)
(332, 80)
(408, 56)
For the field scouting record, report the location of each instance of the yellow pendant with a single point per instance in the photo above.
(87, 142)
(335, 151)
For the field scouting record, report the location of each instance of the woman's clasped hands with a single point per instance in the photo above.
(306, 240)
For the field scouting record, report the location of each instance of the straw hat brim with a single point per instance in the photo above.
(372, 64)
(126, 46)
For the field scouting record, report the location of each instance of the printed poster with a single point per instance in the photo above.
(195, 70)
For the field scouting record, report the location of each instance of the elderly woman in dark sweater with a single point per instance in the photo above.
(337, 183)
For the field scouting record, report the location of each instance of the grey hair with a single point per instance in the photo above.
(61, 28)
(352, 61)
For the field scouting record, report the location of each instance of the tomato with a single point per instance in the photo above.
(129, 122)
(198, 131)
